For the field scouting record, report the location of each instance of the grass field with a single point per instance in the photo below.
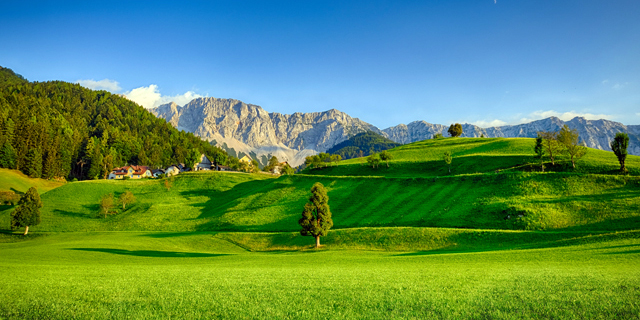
(196, 276)
(496, 239)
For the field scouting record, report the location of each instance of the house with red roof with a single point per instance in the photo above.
(133, 172)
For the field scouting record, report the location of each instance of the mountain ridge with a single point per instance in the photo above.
(242, 128)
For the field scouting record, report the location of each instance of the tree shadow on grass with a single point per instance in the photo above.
(72, 214)
(152, 253)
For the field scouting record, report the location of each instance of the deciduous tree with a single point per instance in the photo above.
(373, 160)
(316, 215)
(28, 211)
(126, 198)
(550, 144)
(539, 150)
(447, 159)
(106, 204)
(569, 139)
(386, 156)
(619, 145)
(455, 130)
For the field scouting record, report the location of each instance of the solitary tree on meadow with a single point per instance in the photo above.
(447, 159)
(619, 145)
(316, 216)
(373, 159)
(569, 139)
(550, 144)
(539, 149)
(28, 211)
(106, 204)
(455, 130)
(126, 198)
(386, 156)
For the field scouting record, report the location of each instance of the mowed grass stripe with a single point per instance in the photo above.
(406, 201)
(432, 205)
(387, 194)
(370, 199)
(412, 210)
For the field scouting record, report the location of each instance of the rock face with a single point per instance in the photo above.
(245, 128)
(595, 133)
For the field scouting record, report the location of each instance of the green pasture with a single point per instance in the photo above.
(137, 275)
(16, 181)
(214, 201)
(475, 155)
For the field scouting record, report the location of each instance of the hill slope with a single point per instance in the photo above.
(507, 200)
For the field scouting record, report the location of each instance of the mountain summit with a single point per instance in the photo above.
(246, 128)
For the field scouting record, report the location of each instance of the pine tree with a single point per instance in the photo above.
(7, 156)
(28, 211)
(316, 216)
(33, 163)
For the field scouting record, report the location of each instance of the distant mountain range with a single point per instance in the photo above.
(242, 128)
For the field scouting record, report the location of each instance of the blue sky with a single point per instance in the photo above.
(385, 62)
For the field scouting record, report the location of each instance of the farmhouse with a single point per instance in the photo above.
(172, 171)
(157, 172)
(133, 172)
(246, 159)
(204, 163)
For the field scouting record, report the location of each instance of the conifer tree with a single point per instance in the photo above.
(7, 156)
(316, 216)
(28, 211)
(33, 163)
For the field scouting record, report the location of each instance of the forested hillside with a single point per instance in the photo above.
(58, 129)
(361, 145)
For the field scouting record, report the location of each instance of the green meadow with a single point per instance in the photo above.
(495, 239)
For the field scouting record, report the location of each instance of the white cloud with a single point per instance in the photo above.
(565, 116)
(104, 84)
(487, 124)
(150, 97)
(605, 81)
(619, 86)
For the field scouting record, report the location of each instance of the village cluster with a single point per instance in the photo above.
(139, 172)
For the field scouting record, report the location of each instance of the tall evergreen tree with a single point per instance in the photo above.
(7, 156)
(316, 216)
(33, 163)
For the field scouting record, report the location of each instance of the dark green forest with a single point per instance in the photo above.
(362, 144)
(57, 129)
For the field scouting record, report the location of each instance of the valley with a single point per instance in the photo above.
(496, 238)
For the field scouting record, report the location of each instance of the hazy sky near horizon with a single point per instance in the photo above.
(386, 62)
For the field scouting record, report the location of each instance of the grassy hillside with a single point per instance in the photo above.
(216, 201)
(18, 182)
(474, 155)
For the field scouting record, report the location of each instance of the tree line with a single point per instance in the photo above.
(57, 129)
